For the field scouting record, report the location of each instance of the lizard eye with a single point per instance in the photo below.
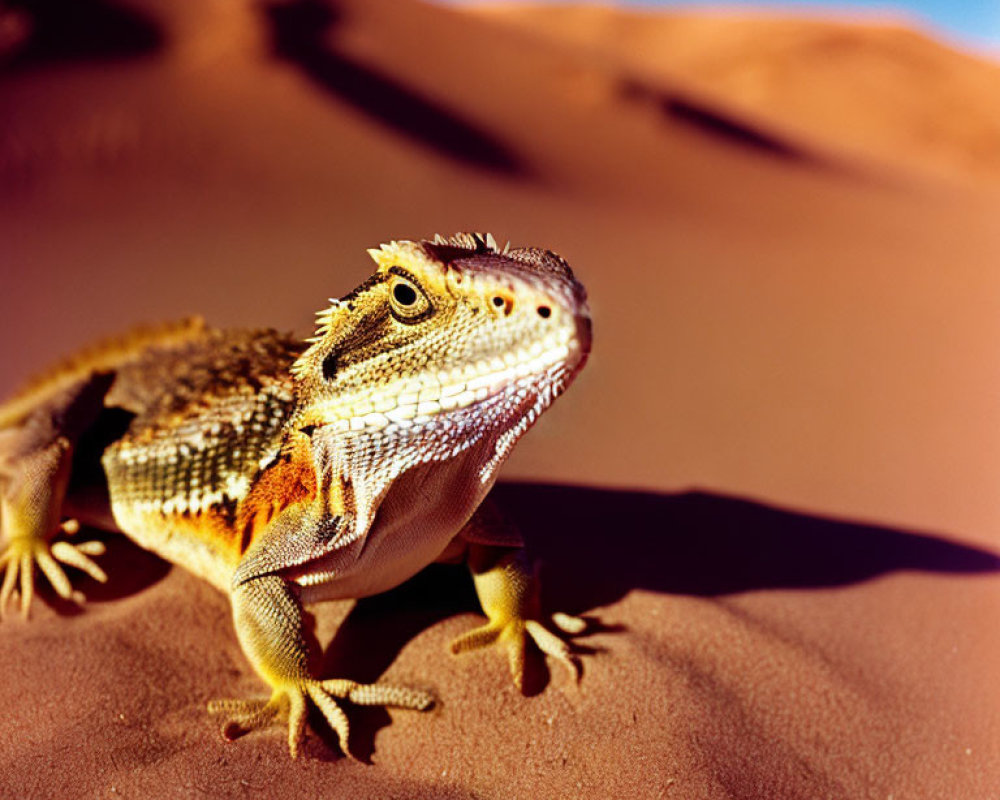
(407, 300)
(404, 294)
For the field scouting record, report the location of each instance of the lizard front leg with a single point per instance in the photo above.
(268, 619)
(267, 614)
(508, 589)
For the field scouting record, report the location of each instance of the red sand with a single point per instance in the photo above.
(780, 314)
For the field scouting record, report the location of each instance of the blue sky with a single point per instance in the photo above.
(972, 23)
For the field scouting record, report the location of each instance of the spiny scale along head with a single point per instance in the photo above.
(451, 334)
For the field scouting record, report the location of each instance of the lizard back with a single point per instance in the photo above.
(209, 416)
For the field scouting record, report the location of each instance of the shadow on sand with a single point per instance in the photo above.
(597, 545)
(103, 30)
(300, 35)
(82, 30)
(605, 543)
(716, 122)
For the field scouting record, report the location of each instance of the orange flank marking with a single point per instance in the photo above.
(210, 528)
(291, 479)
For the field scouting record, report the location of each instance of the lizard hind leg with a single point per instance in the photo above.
(508, 590)
(32, 486)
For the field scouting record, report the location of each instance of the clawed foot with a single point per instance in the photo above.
(288, 704)
(20, 555)
(514, 634)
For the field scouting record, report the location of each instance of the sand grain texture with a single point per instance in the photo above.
(774, 484)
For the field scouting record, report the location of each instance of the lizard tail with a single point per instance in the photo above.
(105, 355)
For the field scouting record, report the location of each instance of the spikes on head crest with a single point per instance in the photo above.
(324, 319)
(475, 243)
(324, 322)
(441, 248)
(391, 253)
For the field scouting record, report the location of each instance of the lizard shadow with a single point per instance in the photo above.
(597, 545)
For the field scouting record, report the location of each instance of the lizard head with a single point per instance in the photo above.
(451, 341)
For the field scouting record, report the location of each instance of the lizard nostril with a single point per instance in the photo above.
(544, 312)
(504, 303)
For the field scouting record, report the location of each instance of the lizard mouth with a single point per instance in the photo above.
(544, 367)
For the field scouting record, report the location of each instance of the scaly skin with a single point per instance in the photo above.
(287, 473)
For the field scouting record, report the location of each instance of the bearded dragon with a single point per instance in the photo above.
(289, 472)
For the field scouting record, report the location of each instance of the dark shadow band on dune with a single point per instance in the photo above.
(599, 544)
(299, 35)
(81, 30)
(717, 123)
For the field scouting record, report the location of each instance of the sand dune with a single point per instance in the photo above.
(880, 91)
(788, 231)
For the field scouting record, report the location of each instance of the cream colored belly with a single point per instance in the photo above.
(418, 518)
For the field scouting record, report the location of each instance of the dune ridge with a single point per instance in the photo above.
(878, 90)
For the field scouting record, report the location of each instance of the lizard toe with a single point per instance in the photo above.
(567, 623)
(323, 694)
(18, 562)
(551, 645)
(288, 703)
(483, 636)
(10, 562)
(23, 553)
(79, 556)
(379, 694)
(243, 716)
(332, 713)
(514, 634)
